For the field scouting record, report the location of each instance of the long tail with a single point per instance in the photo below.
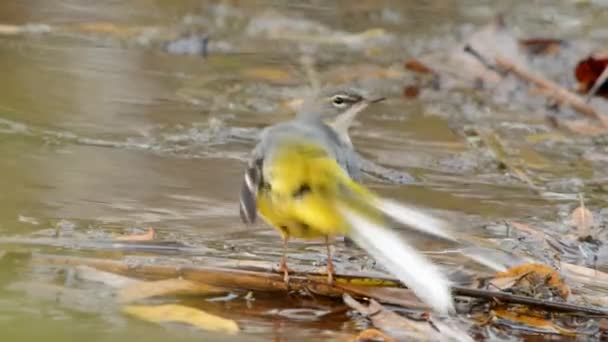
(401, 259)
(415, 219)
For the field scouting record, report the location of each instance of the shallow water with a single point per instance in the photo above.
(103, 131)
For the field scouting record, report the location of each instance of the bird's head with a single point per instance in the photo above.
(332, 103)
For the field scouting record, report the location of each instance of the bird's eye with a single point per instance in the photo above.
(338, 101)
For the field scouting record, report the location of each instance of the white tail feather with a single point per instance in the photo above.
(414, 218)
(403, 261)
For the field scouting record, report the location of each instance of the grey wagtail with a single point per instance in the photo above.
(302, 178)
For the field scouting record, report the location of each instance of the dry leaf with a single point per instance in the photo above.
(373, 335)
(527, 318)
(147, 236)
(404, 328)
(146, 289)
(589, 70)
(182, 314)
(582, 219)
(411, 91)
(532, 279)
(419, 67)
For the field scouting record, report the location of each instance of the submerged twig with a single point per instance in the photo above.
(517, 299)
(553, 89)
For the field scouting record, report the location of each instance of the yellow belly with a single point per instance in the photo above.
(308, 218)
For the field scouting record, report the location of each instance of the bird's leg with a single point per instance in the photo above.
(283, 266)
(330, 264)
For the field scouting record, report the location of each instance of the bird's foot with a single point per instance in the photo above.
(283, 268)
(330, 272)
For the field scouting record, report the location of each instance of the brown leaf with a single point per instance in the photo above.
(146, 289)
(182, 314)
(589, 70)
(373, 335)
(147, 236)
(582, 219)
(527, 318)
(411, 91)
(404, 328)
(419, 67)
(532, 278)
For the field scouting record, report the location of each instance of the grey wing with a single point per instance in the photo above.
(252, 179)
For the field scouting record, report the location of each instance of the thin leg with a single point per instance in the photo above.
(283, 266)
(330, 264)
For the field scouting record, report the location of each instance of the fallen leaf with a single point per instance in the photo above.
(531, 278)
(419, 67)
(589, 70)
(411, 91)
(176, 286)
(404, 328)
(147, 236)
(373, 335)
(539, 324)
(182, 314)
(582, 219)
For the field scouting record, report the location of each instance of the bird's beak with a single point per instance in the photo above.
(376, 99)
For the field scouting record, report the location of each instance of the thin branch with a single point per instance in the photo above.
(516, 299)
(553, 89)
(267, 281)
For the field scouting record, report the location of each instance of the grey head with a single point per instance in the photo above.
(337, 107)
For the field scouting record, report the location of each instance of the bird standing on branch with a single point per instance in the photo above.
(303, 178)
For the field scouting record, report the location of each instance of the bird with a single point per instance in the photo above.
(304, 179)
